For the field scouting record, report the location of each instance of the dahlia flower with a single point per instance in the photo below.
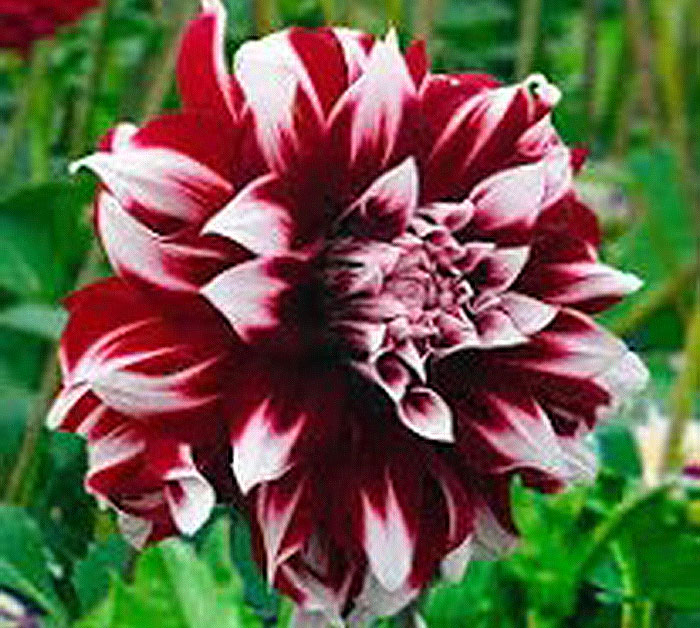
(22, 22)
(352, 297)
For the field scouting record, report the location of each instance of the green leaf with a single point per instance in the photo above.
(24, 561)
(663, 550)
(92, 575)
(60, 504)
(39, 319)
(264, 600)
(174, 588)
(42, 237)
(14, 407)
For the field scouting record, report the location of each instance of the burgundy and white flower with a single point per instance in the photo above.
(353, 297)
(22, 22)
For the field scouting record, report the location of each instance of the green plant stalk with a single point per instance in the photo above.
(394, 12)
(656, 299)
(606, 531)
(668, 14)
(81, 134)
(590, 72)
(263, 16)
(529, 33)
(642, 51)
(328, 9)
(683, 394)
(25, 104)
(164, 70)
(636, 613)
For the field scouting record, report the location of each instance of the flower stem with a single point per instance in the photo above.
(683, 394)
(609, 528)
(394, 12)
(530, 18)
(263, 16)
(82, 130)
(25, 104)
(162, 77)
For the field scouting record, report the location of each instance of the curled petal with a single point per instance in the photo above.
(163, 181)
(139, 253)
(423, 411)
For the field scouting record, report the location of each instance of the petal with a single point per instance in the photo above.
(136, 252)
(527, 314)
(587, 286)
(375, 600)
(195, 134)
(506, 431)
(274, 72)
(203, 80)
(481, 135)
(424, 412)
(491, 539)
(189, 496)
(454, 565)
(418, 62)
(387, 539)
(386, 207)
(122, 349)
(369, 128)
(499, 269)
(266, 219)
(248, 295)
(261, 451)
(278, 507)
(163, 181)
(356, 47)
(508, 203)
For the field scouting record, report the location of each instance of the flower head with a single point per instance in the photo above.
(353, 297)
(22, 22)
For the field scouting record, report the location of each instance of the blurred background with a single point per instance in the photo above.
(624, 552)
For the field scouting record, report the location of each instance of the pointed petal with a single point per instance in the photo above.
(277, 74)
(276, 508)
(508, 203)
(386, 207)
(248, 296)
(203, 80)
(527, 314)
(454, 565)
(388, 542)
(265, 218)
(427, 414)
(369, 126)
(261, 452)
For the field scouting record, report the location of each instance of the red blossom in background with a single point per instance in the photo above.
(352, 297)
(22, 22)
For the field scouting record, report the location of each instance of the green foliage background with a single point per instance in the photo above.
(612, 554)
